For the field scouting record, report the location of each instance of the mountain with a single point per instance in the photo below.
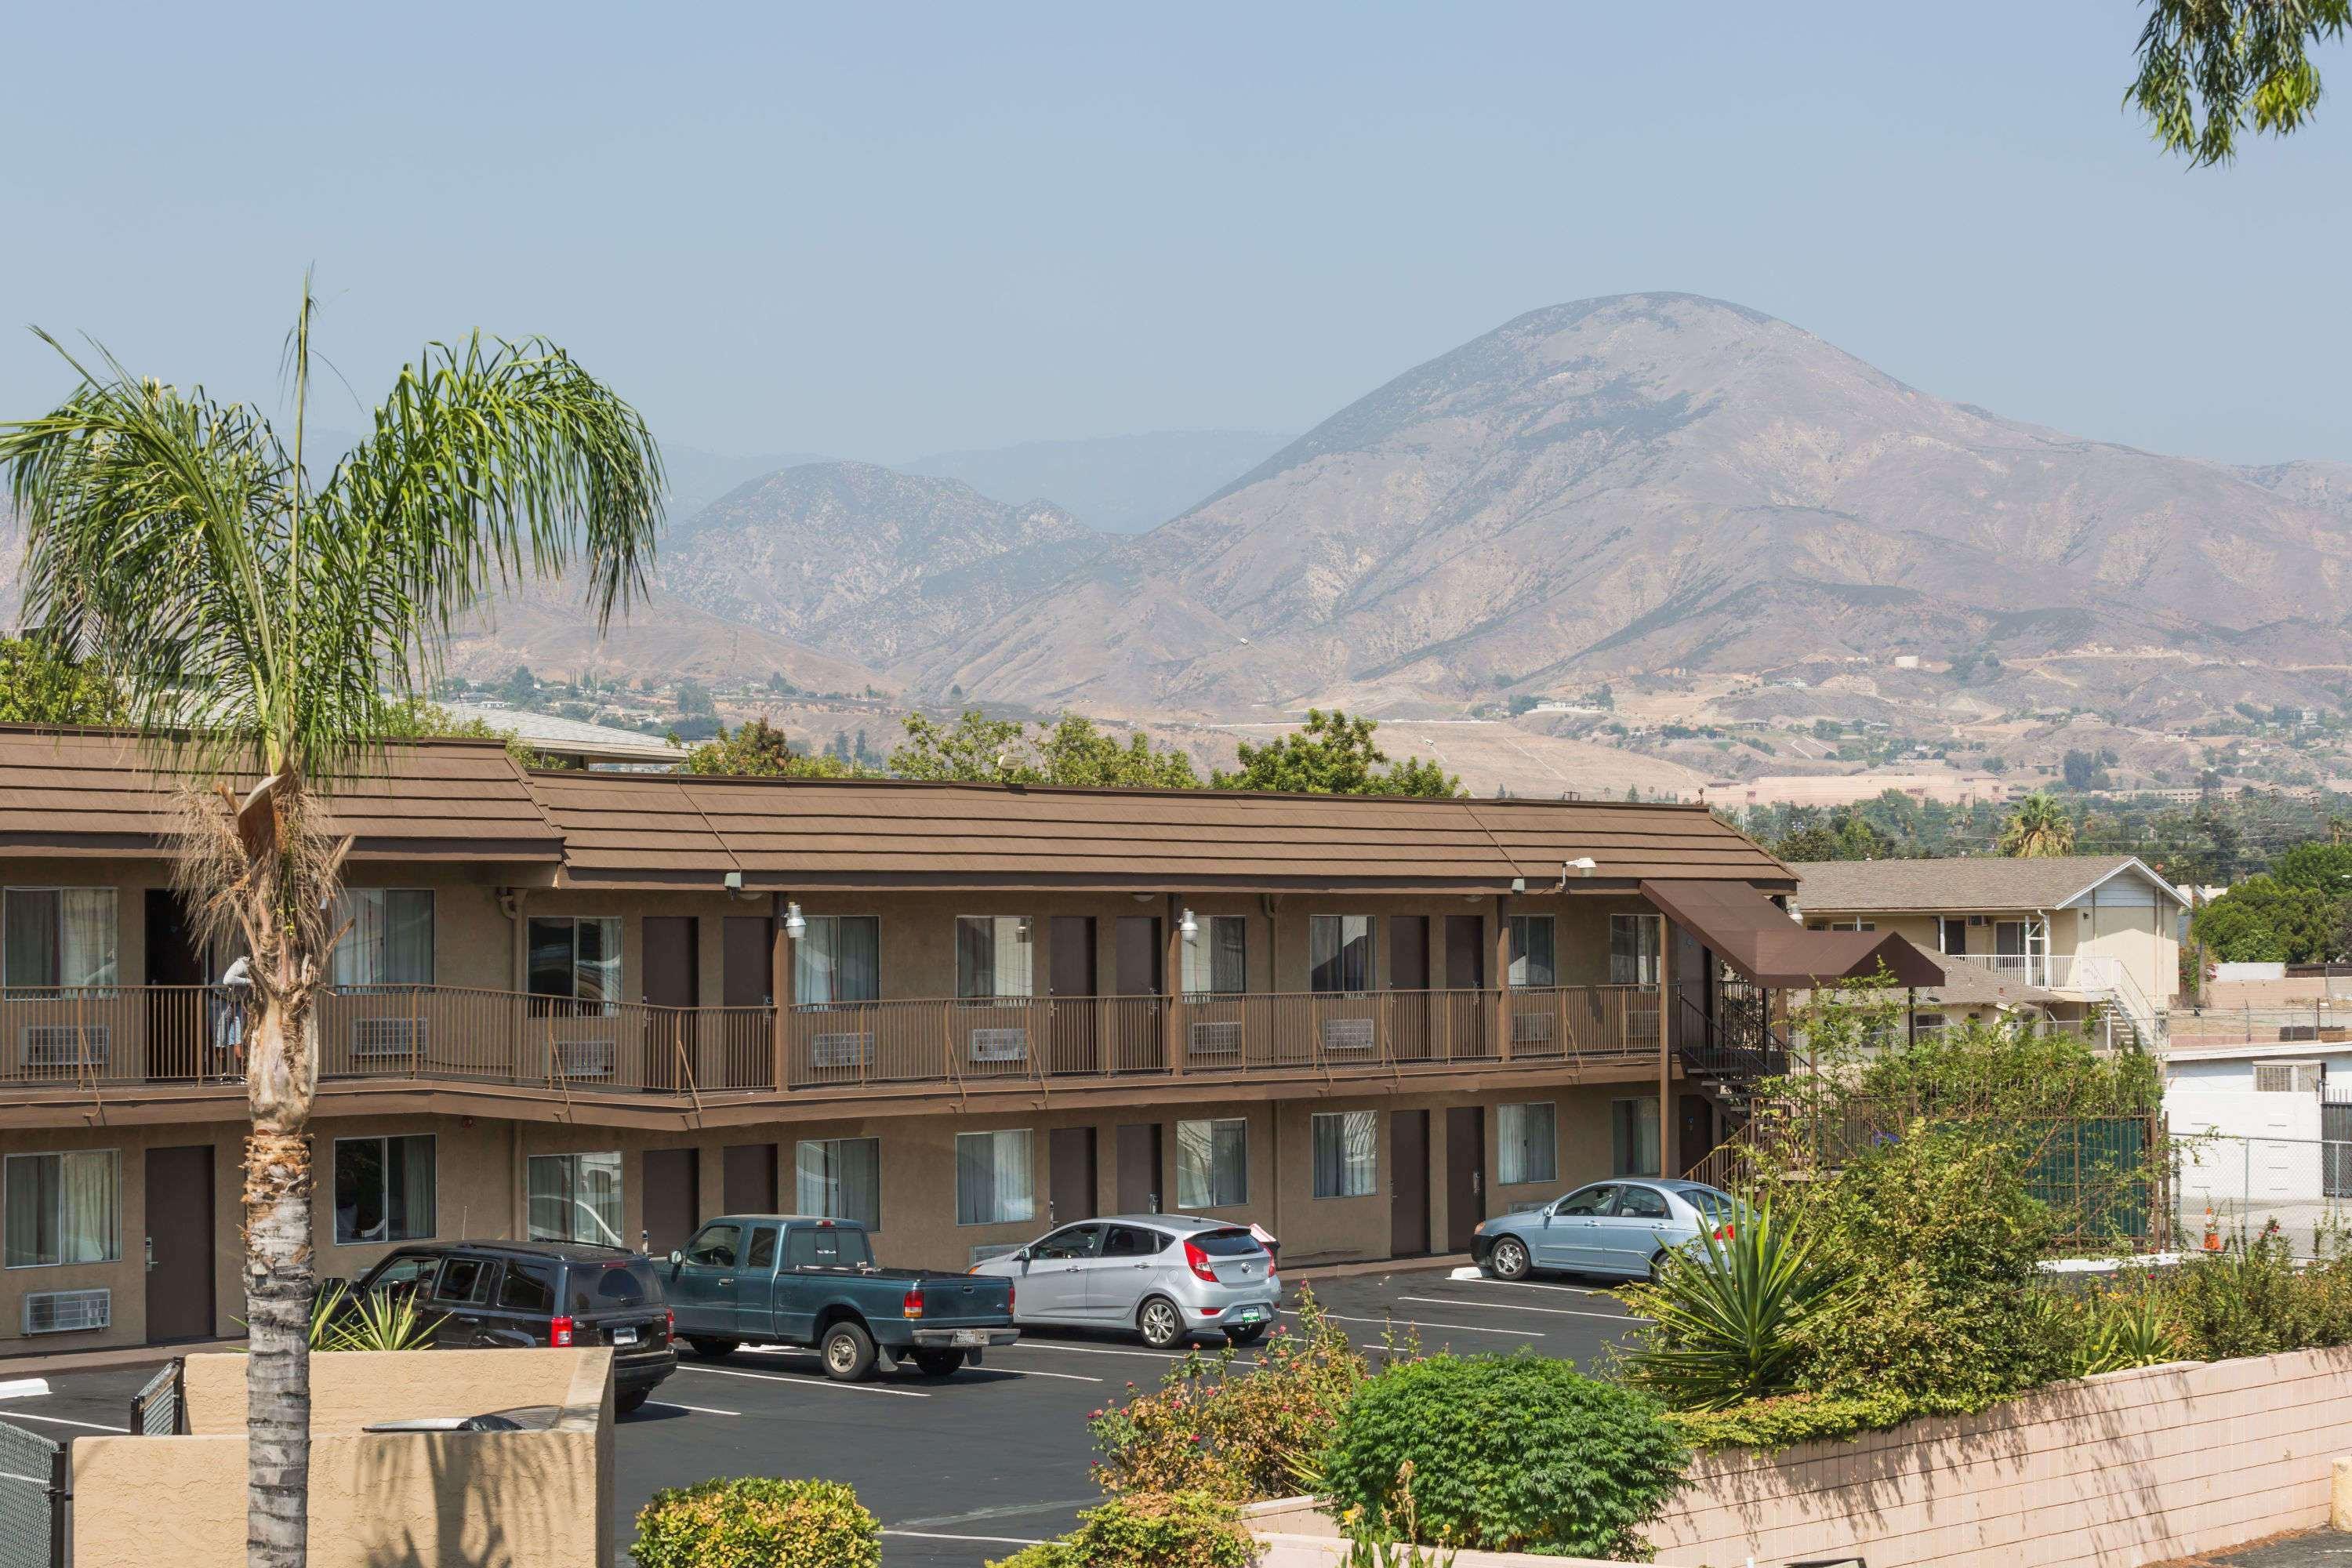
(697, 477)
(868, 563)
(1661, 481)
(1121, 484)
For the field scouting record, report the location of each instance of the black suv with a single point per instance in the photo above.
(519, 1294)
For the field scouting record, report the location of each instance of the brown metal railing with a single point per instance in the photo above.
(99, 1037)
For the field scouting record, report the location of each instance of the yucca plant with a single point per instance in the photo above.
(380, 1323)
(1724, 1317)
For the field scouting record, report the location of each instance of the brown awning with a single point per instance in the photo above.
(1756, 937)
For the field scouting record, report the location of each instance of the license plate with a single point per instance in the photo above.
(625, 1336)
(1248, 1314)
(970, 1337)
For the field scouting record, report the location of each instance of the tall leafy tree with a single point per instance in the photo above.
(41, 683)
(2211, 69)
(1334, 754)
(759, 750)
(2037, 827)
(255, 621)
(1072, 750)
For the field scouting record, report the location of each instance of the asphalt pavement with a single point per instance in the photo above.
(967, 1469)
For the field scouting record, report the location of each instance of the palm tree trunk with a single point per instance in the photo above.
(278, 1286)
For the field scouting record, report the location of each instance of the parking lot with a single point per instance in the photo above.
(972, 1467)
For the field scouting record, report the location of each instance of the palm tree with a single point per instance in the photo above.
(2037, 827)
(259, 626)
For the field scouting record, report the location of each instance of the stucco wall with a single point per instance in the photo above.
(500, 1499)
(2131, 1467)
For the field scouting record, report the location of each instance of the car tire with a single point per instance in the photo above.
(1161, 1323)
(848, 1352)
(624, 1403)
(1245, 1337)
(1508, 1260)
(1657, 1265)
(714, 1350)
(938, 1363)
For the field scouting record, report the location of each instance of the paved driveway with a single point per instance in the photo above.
(973, 1466)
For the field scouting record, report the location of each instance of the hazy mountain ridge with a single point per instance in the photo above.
(1120, 484)
(1661, 481)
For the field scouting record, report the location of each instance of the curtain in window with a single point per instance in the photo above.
(359, 1190)
(410, 1189)
(409, 936)
(1339, 952)
(32, 1232)
(88, 956)
(993, 1177)
(1525, 1144)
(838, 959)
(1635, 1141)
(30, 915)
(1217, 961)
(597, 969)
(992, 955)
(576, 1197)
(842, 1178)
(1632, 950)
(1531, 951)
(600, 1184)
(70, 1206)
(358, 958)
(550, 1197)
(1346, 1153)
(1211, 1163)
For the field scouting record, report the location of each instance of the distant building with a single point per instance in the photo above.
(1852, 789)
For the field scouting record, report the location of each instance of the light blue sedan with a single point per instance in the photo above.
(1622, 1228)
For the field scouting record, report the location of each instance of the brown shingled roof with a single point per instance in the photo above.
(1961, 885)
(94, 792)
(669, 828)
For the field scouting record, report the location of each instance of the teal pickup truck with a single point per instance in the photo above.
(788, 1279)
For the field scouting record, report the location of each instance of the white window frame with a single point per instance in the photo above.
(826, 1181)
(1206, 1134)
(1025, 1211)
(109, 972)
(384, 1164)
(1356, 1163)
(1507, 1147)
(14, 1168)
(2301, 1077)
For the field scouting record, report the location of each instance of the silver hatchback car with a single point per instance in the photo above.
(1165, 1276)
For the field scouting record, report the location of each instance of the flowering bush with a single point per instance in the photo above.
(757, 1521)
(1241, 1437)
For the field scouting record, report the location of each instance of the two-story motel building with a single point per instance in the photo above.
(604, 1005)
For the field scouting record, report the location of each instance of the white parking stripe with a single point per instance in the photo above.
(1472, 1276)
(809, 1381)
(697, 1409)
(1418, 1323)
(61, 1421)
(1106, 1350)
(991, 1539)
(1032, 1371)
(1515, 1306)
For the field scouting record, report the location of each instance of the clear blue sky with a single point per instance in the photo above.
(880, 230)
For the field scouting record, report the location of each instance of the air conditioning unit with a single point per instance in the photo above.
(999, 1045)
(67, 1311)
(584, 1059)
(846, 1048)
(1978, 920)
(381, 1038)
(1348, 1033)
(64, 1046)
(1215, 1039)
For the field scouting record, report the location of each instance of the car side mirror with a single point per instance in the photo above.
(675, 1257)
(1022, 1257)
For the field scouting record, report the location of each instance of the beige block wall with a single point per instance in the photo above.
(502, 1500)
(2132, 1468)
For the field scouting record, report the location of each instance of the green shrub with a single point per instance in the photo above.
(1508, 1453)
(1792, 1418)
(1723, 1321)
(757, 1521)
(1188, 1530)
(2253, 1300)
(1245, 1437)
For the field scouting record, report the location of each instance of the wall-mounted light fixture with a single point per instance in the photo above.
(1583, 866)
(1188, 928)
(795, 923)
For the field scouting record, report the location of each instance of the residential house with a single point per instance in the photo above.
(2076, 937)
(606, 1005)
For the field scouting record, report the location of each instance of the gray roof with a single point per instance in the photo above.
(1966, 885)
(1970, 985)
(573, 737)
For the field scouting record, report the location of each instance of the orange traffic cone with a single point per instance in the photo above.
(2213, 1231)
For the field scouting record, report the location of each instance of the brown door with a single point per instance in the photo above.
(1138, 1167)
(1408, 972)
(180, 1243)
(1462, 1029)
(1465, 1174)
(1134, 1025)
(1070, 981)
(748, 1178)
(1695, 1135)
(179, 1019)
(1070, 1172)
(1408, 1183)
(673, 986)
(673, 1200)
(744, 1049)
(746, 976)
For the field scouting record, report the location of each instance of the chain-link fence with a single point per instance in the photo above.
(32, 1499)
(2227, 1188)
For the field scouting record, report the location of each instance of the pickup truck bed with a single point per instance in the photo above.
(792, 1281)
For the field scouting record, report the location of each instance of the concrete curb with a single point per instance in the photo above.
(25, 1388)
